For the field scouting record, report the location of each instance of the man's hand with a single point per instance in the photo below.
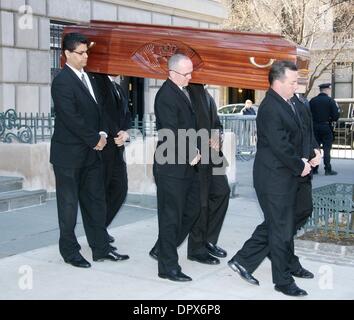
(101, 144)
(122, 136)
(196, 159)
(314, 162)
(214, 143)
(307, 168)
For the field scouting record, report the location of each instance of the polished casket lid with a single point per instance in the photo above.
(227, 58)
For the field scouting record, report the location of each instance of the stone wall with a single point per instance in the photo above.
(25, 39)
(31, 162)
(24, 56)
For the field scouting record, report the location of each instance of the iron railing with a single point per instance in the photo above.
(37, 127)
(343, 144)
(13, 129)
(333, 209)
(245, 130)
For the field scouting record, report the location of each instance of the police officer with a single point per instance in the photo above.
(324, 111)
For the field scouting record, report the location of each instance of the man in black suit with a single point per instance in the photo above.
(174, 166)
(324, 111)
(76, 146)
(214, 187)
(118, 119)
(279, 163)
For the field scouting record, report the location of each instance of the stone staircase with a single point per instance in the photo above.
(13, 197)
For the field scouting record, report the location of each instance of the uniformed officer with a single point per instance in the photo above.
(324, 111)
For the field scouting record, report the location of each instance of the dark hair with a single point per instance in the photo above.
(277, 71)
(72, 40)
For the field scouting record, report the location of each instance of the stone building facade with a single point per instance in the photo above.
(26, 56)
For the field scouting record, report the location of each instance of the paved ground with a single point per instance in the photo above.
(31, 267)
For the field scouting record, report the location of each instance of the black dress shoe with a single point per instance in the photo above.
(331, 173)
(303, 273)
(206, 259)
(113, 256)
(215, 250)
(154, 252)
(110, 239)
(175, 275)
(291, 290)
(245, 275)
(79, 262)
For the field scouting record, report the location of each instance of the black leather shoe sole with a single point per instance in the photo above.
(216, 251)
(110, 239)
(243, 274)
(304, 274)
(331, 173)
(112, 257)
(209, 260)
(79, 264)
(293, 293)
(177, 278)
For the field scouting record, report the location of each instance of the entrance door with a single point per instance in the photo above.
(134, 88)
(239, 95)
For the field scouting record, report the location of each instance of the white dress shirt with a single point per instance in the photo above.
(79, 74)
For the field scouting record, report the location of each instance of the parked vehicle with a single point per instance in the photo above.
(234, 108)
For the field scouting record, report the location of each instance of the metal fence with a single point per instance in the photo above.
(244, 128)
(37, 127)
(333, 209)
(343, 144)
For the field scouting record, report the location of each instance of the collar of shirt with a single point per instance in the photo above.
(77, 72)
(81, 72)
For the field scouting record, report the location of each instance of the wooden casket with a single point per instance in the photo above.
(226, 58)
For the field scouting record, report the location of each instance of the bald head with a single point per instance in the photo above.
(180, 69)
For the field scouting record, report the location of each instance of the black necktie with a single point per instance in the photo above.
(185, 91)
(294, 110)
(291, 105)
(116, 89)
(84, 82)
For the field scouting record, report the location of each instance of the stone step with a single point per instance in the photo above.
(13, 200)
(10, 183)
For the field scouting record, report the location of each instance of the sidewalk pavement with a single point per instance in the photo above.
(31, 267)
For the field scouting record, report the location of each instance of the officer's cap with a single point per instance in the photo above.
(325, 85)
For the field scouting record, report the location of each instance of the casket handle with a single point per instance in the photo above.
(253, 61)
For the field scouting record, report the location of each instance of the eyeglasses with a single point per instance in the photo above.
(183, 74)
(81, 53)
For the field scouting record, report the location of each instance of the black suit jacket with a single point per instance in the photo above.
(309, 140)
(174, 111)
(114, 106)
(207, 118)
(78, 121)
(279, 146)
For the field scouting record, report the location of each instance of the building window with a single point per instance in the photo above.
(343, 79)
(56, 31)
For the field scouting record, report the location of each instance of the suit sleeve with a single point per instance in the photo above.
(314, 142)
(334, 111)
(66, 109)
(216, 124)
(279, 140)
(127, 117)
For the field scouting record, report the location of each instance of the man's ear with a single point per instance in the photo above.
(66, 53)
